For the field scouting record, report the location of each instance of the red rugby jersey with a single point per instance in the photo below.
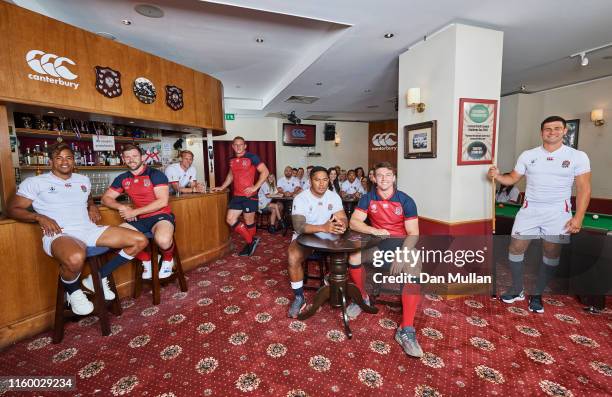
(244, 169)
(388, 214)
(140, 188)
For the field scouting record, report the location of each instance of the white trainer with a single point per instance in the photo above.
(166, 269)
(79, 304)
(109, 295)
(146, 273)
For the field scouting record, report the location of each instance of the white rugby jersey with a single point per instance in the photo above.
(288, 185)
(63, 200)
(263, 190)
(550, 176)
(352, 188)
(175, 173)
(316, 210)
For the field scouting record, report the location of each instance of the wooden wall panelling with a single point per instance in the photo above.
(7, 174)
(377, 127)
(88, 50)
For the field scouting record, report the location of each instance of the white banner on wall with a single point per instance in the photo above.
(103, 143)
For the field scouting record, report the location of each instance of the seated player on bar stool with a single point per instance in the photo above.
(315, 210)
(184, 174)
(66, 214)
(147, 188)
(392, 213)
(266, 206)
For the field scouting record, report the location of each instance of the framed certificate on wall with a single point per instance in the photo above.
(477, 127)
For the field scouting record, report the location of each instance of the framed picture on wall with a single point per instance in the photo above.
(477, 125)
(420, 140)
(571, 138)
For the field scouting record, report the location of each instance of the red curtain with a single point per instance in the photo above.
(266, 150)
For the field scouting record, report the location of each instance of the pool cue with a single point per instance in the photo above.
(494, 295)
(493, 203)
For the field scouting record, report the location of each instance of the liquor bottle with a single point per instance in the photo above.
(27, 158)
(77, 155)
(90, 159)
(45, 154)
(38, 155)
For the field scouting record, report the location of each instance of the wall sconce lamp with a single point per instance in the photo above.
(597, 117)
(413, 99)
(337, 138)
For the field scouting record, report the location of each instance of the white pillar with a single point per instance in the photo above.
(460, 61)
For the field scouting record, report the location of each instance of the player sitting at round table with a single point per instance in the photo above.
(351, 188)
(289, 185)
(391, 213)
(316, 210)
(551, 170)
(266, 206)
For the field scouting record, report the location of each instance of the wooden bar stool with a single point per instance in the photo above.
(94, 257)
(155, 281)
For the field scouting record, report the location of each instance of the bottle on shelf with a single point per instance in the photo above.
(101, 158)
(45, 154)
(38, 156)
(27, 157)
(77, 154)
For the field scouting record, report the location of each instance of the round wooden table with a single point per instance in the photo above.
(339, 289)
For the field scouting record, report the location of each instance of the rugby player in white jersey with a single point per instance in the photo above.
(551, 170)
(66, 213)
(315, 210)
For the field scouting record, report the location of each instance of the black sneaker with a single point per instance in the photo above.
(535, 304)
(271, 229)
(510, 297)
(253, 246)
(245, 250)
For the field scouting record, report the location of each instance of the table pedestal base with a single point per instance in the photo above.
(337, 292)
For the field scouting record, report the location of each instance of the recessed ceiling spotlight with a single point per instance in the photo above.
(50, 112)
(237, 86)
(368, 90)
(319, 83)
(583, 59)
(131, 122)
(107, 35)
(126, 22)
(149, 11)
(259, 40)
(389, 35)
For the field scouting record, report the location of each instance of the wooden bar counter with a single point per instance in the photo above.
(29, 277)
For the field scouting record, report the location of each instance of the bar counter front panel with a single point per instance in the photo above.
(29, 276)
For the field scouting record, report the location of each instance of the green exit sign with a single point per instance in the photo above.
(230, 116)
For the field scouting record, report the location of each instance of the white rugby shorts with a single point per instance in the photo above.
(88, 234)
(545, 221)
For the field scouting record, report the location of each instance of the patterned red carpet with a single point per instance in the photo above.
(229, 336)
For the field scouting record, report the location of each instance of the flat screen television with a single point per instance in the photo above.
(299, 134)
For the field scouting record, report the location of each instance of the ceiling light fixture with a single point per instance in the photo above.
(368, 90)
(126, 22)
(50, 112)
(319, 83)
(584, 61)
(107, 35)
(149, 11)
(389, 35)
(259, 40)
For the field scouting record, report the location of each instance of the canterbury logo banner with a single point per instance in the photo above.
(384, 141)
(51, 68)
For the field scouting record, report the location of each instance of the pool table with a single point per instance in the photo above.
(504, 217)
